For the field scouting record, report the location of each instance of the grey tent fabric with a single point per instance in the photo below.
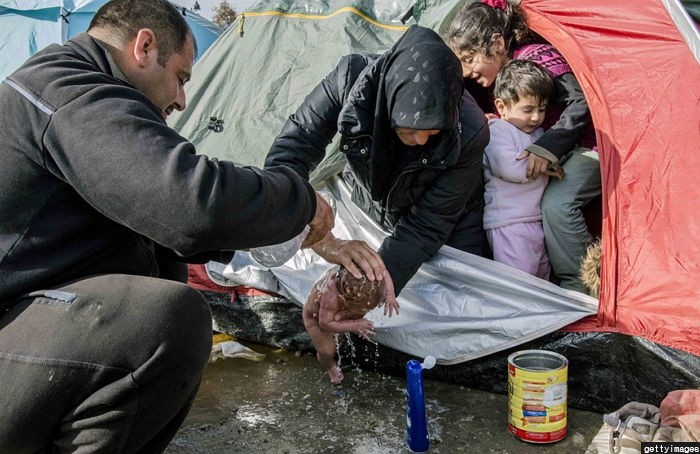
(264, 65)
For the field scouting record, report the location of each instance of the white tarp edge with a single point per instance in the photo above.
(458, 307)
(686, 25)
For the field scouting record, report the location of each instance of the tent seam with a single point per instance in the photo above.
(346, 9)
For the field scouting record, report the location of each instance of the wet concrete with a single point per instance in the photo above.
(286, 404)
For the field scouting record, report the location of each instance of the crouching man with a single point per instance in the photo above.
(101, 204)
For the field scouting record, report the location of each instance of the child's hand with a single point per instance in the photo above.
(536, 165)
(556, 171)
(363, 328)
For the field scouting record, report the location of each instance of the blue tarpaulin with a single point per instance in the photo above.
(27, 26)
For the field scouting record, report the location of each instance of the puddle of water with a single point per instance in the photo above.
(286, 404)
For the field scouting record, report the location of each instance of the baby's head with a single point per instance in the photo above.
(359, 296)
(522, 91)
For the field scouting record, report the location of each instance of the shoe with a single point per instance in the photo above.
(624, 435)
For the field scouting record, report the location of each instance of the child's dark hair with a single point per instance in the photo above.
(523, 78)
(473, 28)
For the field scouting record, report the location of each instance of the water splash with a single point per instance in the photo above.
(337, 350)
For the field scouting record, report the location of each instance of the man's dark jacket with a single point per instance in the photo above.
(94, 181)
(420, 199)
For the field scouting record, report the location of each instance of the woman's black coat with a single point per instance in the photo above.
(418, 192)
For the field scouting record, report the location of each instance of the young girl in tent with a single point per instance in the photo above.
(486, 36)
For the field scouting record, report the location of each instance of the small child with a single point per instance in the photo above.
(337, 304)
(512, 215)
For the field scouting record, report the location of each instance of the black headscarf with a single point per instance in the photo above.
(422, 82)
(417, 84)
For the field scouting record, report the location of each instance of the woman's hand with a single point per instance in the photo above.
(355, 255)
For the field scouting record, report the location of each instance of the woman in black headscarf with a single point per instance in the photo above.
(413, 139)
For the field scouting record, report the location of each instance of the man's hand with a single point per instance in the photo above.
(321, 224)
(355, 255)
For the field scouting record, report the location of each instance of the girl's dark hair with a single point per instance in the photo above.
(522, 78)
(126, 17)
(474, 26)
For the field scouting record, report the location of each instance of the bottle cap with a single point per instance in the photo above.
(428, 362)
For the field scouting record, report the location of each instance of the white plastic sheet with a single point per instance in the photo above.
(457, 307)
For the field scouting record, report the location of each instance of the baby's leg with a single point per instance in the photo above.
(328, 362)
(325, 352)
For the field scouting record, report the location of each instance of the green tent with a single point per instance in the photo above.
(266, 62)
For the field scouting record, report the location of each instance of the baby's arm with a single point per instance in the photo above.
(360, 326)
(311, 308)
(329, 307)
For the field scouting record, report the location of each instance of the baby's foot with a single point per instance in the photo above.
(336, 375)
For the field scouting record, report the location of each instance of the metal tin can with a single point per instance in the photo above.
(537, 395)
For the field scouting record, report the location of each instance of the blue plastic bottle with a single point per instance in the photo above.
(417, 423)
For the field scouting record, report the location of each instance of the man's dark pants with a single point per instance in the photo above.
(105, 364)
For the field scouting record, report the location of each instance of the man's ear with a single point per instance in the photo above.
(145, 48)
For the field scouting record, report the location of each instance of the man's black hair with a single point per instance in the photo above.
(126, 17)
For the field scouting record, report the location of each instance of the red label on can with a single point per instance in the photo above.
(537, 437)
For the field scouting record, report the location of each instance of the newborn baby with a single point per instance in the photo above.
(337, 304)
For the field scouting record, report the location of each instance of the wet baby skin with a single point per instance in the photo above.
(337, 304)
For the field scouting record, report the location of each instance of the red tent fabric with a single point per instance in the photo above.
(642, 82)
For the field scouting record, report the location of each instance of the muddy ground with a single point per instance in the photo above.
(285, 404)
